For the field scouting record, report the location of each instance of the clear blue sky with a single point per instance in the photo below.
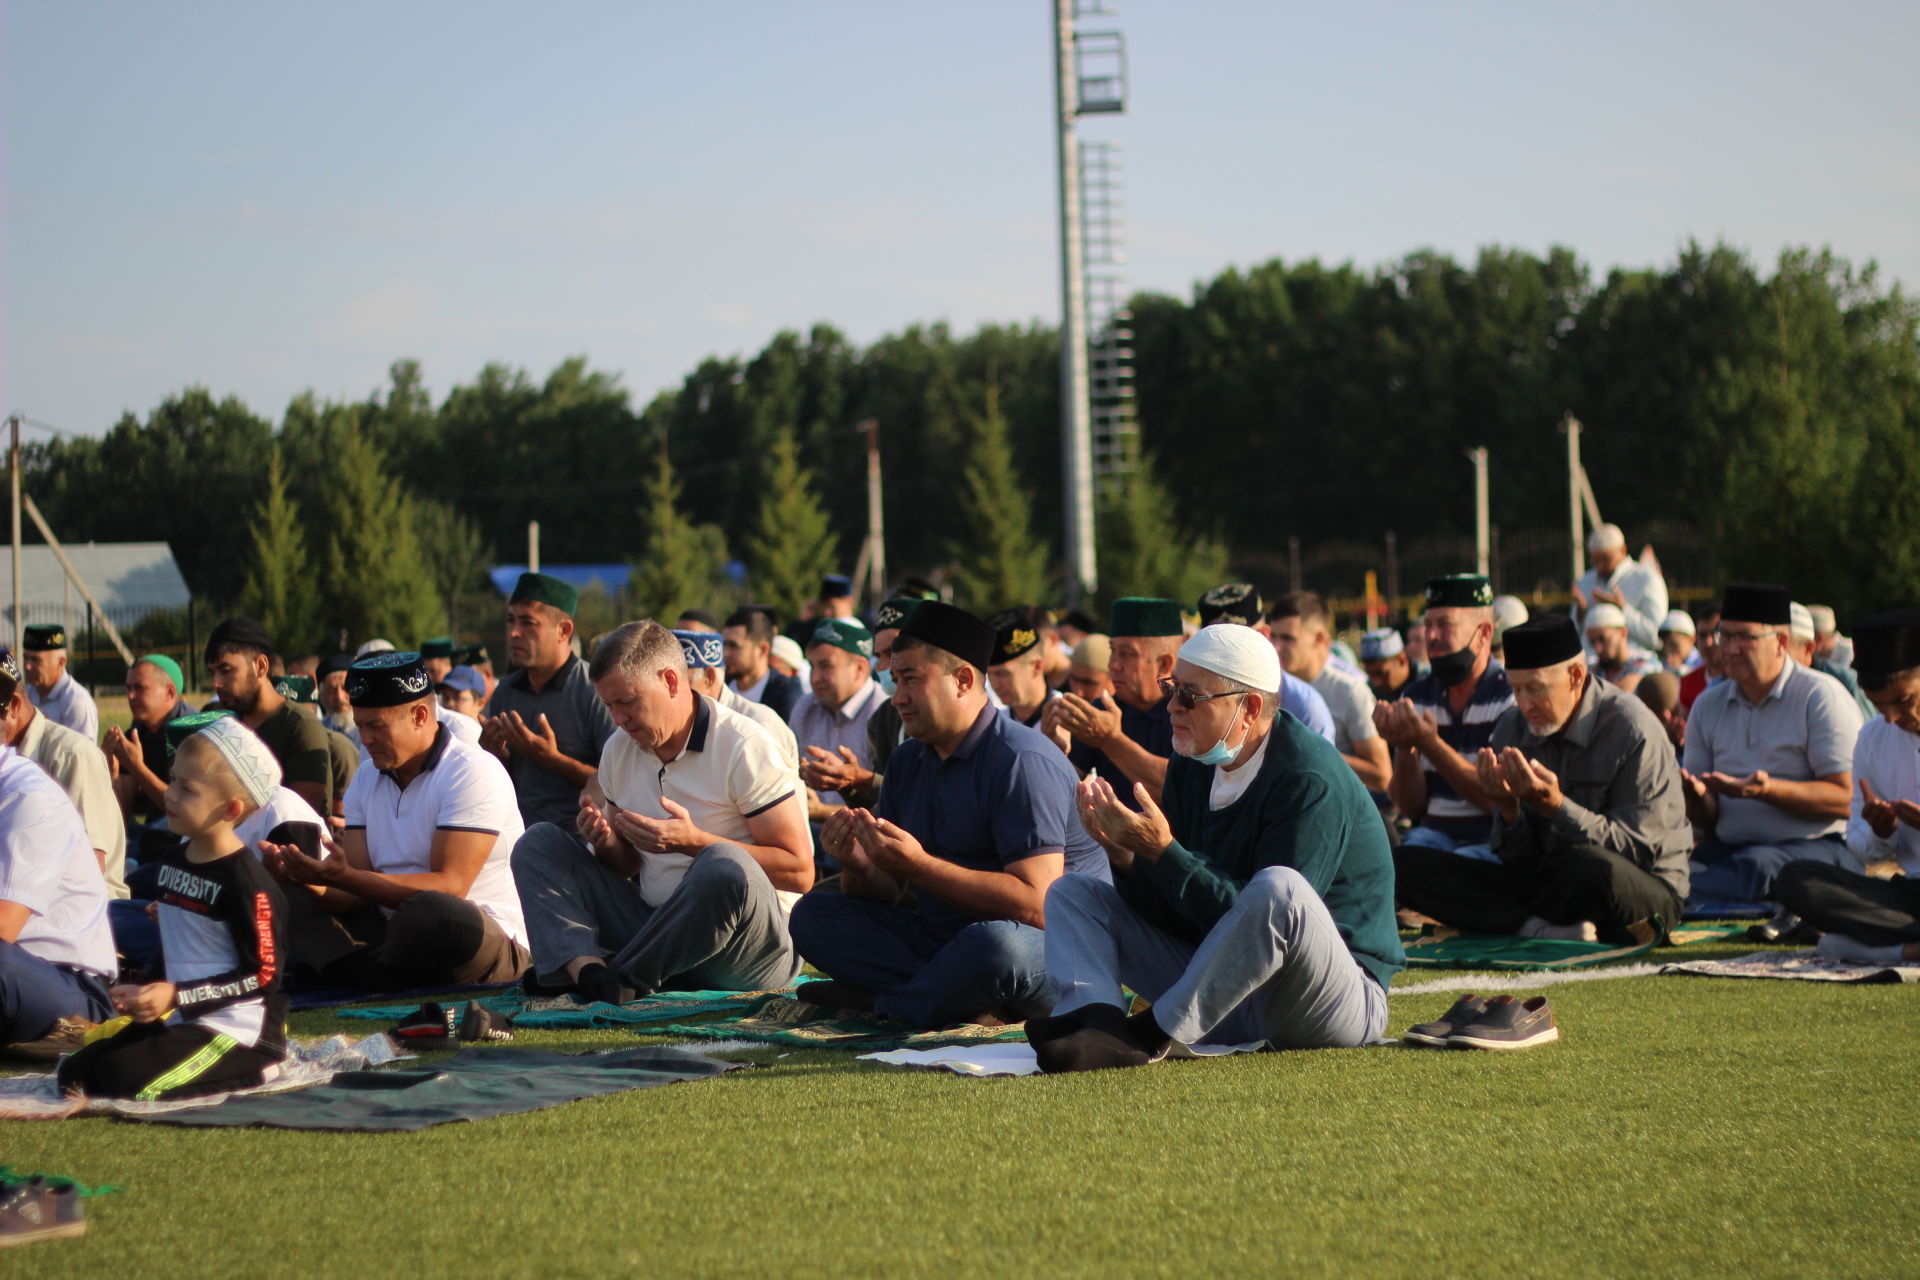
(267, 197)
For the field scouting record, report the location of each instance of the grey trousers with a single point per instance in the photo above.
(721, 930)
(1274, 968)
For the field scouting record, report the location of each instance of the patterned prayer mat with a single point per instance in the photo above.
(1801, 966)
(1439, 947)
(564, 1013)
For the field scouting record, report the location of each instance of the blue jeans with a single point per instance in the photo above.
(1274, 968)
(925, 973)
(1745, 872)
(36, 993)
(1428, 838)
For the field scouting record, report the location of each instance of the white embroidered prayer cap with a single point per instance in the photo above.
(1237, 653)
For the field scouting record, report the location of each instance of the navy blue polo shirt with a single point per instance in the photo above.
(1005, 794)
(1150, 730)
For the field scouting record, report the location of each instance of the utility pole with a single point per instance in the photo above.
(876, 556)
(1570, 427)
(14, 454)
(533, 546)
(1482, 544)
(1076, 416)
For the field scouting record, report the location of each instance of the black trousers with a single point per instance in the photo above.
(431, 938)
(152, 1061)
(1835, 900)
(1583, 883)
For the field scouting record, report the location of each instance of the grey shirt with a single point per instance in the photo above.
(1803, 729)
(581, 726)
(1621, 782)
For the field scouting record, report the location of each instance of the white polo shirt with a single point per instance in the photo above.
(284, 805)
(460, 788)
(47, 866)
(730, 771)
(767, 718)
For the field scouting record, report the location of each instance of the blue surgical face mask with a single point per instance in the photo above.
(1219, 752)
(885, 680)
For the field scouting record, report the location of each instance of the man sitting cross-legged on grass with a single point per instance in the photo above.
(218, 1019)
(689, 849)
(977, 817)
(422, 891)
(1866, 919)
(1588, 822)
(1254, 904)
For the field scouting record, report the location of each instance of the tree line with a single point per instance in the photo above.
(1778, 413)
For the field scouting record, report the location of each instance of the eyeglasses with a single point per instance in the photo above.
(1724, 636)
(1186, 699)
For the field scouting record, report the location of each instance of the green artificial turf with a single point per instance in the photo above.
(1681, 1127)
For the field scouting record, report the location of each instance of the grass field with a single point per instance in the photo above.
(1681, 1127)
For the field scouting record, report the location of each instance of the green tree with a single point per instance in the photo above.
(790, 544)
(999, 562)
(1144, 551)
(279, 587)
(374, 579)
(684, 564)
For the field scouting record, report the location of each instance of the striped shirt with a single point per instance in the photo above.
(1466, 733)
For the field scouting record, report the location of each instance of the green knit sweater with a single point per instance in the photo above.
(1306, 810)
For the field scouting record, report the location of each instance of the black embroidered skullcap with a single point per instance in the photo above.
(1232, 602)
(388, 680)
(44, 637)
(1014, 633)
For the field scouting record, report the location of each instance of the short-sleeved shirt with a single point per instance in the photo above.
(731, 770)
(1887, 758)
(1150, 730)
(47, 866)
(1466, 733)
(581, 726)
(1004, 794)
(282, 806)
(1350, 700)
(1638, 662)
(69, 704)
(1803, 728)
(300, 745)
(460, 788)
(1304, 703)
(81, 770)
(815, 726)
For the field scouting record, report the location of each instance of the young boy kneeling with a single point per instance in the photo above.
(219, 1020)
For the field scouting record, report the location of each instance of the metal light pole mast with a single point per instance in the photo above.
(1482, 540)
(1076, 418)
(14, 455)
(1570, 426)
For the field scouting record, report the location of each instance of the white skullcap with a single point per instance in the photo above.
(787, 649)
(1605, 615)
(1237, 653)
(252, 762)
(1800, 622)
(1823, 620)
(1384, 642)
(1508, 611)
(1680, 622)
(1606, 537)
(373, 646)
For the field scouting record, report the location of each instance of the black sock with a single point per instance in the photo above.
(1105, 1039)
(1147, 1033)
(597, 983)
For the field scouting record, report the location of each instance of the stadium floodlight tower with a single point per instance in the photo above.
(1090, 78)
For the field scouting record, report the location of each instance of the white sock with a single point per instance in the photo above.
(1838, 946)
(1582, 931)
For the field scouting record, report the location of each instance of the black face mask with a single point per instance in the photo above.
(1452, 668)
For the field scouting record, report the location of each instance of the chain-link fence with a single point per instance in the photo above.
(91, 658)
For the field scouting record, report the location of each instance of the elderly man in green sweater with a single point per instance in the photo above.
(1254, 904)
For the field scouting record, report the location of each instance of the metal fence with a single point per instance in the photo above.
(91, 657)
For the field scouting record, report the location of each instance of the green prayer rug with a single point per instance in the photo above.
(563, 1013)
(786, 1020)
(1439, 947)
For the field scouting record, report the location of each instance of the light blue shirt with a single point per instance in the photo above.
(1303, 702)
(69, 705)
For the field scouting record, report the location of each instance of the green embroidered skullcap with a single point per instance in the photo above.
(1144, 616)
(544, 588)
(438, 647)
(1459, 591)
(178, 731)
(43, 637)
(167, 666)
(843, 633)
(896, 611)
(296, 689)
